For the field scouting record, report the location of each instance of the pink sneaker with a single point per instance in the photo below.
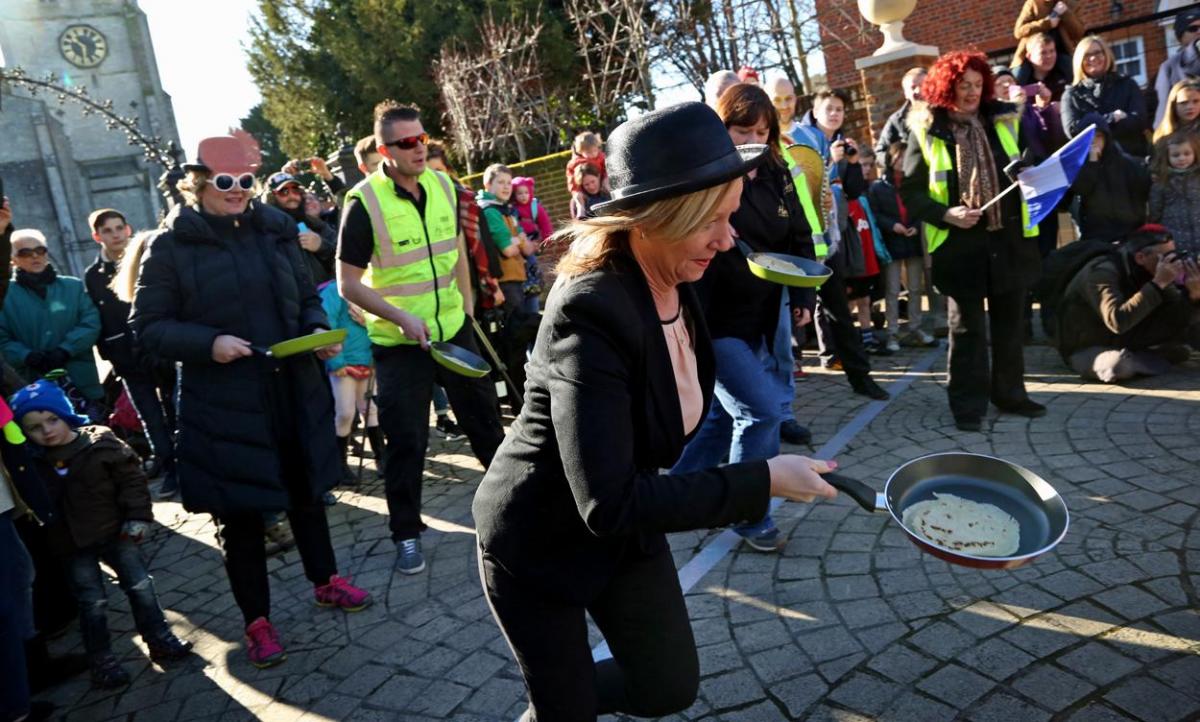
(339, 592)
(262, 644)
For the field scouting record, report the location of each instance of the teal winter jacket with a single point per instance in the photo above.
(356, 349)
(66, 318)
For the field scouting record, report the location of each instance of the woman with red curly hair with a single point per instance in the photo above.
(962, 140)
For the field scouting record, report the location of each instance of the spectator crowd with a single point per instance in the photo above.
(197, 404)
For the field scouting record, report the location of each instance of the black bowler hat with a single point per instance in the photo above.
(672, 152)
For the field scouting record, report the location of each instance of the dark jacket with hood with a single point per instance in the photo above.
(895, 130)
(1112, 191)
(737, 303)
(1104, 96)
(200, 278)
(973, 262)
(97, 484)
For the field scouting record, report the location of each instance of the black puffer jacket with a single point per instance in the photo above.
(193, 286)
(116, 340)
(973, 262)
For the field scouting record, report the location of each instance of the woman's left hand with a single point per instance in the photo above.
(327, 352)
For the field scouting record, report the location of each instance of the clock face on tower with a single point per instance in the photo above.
(83, 46)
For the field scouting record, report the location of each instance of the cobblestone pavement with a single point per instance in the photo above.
(848, 623)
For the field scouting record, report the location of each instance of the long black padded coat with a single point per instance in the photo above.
(188, 292)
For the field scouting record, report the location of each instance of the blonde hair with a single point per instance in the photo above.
(586, 139)
(1169, 126)
(1081, 51)
(125, 280)
(594, 241)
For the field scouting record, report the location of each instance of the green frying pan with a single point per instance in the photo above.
(459, 360)
(788, 270)
(303, 344)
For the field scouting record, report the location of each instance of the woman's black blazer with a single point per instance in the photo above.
(576, 488)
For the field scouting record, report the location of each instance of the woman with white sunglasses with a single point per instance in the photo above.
(223, 281)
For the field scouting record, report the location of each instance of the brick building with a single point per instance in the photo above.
(987, 25)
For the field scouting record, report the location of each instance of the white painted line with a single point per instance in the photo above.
(716, 549)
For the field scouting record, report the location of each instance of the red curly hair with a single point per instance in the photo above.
(948, 70)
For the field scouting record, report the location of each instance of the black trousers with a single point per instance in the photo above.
(835, 324)
(654, 670)
(246, 557)
(153, 398)
(405, 376)
(972, 379)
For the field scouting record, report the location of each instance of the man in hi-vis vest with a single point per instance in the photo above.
(401, 257)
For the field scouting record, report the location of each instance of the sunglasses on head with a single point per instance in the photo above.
(410, 142)
(226, 182)
(35, 252)
(289, 190)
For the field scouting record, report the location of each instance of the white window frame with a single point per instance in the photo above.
(1143, 76)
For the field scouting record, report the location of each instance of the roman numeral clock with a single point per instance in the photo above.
(83, 46)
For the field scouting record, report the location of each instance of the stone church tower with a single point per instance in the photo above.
(57, 164)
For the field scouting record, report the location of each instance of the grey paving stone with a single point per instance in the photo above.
(719, 658)
(439, 698)
(1099, 712)
(478, 667)
(1181, 675)
(1001, 707)
(761, 635)
(798, 694)
(902, 664)
(917, 605)
(941, 640)
(1069, 584)
(956, 685)
(495, 694)
(827, 644)
(1051, 686)
(779, 663)
(731, 689)
(1098, 663)
(865, 693)
(852, 587)
(1152, 701)
(1130, 602)
(865, 613)
(834, 670)
(911, 706)
(1040, 642)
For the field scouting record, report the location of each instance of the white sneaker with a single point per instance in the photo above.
(893, 345)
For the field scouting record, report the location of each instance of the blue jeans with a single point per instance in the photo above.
(90, 588)
(441, 402)
(16, 619)
(745, 415)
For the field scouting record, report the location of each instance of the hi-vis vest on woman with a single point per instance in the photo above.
(413, 264)
(941, 165)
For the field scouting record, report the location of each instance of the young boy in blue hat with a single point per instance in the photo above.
(104, 509)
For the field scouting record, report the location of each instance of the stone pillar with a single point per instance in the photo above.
(880, 83)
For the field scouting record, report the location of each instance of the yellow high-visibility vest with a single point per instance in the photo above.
(414, 260)
(941, 165)
(806, 202)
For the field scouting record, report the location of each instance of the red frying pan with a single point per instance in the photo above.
(1037, 507)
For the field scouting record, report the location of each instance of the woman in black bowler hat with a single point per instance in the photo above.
(572, 513)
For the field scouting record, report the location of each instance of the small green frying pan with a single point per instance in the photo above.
(459, 360)
(303, 344)
(788, 270)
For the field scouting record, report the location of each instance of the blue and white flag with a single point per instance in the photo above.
(1044, 185)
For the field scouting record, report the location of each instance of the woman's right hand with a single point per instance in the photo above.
(799, 478)
(962, 216)
(228, 348)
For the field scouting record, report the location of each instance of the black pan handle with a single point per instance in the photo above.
(866, 497)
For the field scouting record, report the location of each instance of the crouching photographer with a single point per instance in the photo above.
(1133, 311)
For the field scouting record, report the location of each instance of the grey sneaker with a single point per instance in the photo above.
(409, 559)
